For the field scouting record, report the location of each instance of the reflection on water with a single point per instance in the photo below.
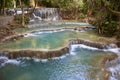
(85, 65)
(47, 40)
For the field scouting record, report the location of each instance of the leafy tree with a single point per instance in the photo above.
(5, 4)
(106, 14)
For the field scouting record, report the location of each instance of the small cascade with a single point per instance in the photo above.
(113, 67)
(2, 53)
(3, 57)
(111, 46)
(45, 14)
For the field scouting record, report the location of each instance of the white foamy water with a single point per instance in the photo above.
(50, 31)
(114, 69)
(74, 46)
(29, 34)
(114, 50)
(5, 60)
(61, 57)
(114, 65)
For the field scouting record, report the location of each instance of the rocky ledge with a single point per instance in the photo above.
(54, 53)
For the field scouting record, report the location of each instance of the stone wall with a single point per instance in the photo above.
(5, 20)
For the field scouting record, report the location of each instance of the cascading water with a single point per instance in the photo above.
(45, 14)
(113, 67)
(68, 67)
(82, 63)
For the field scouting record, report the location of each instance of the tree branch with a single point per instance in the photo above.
(117, 13)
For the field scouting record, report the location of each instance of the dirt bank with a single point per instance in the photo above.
(7, 28)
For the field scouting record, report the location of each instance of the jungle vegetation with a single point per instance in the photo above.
(103, 14)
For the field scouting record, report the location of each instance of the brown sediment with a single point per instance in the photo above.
(106, 73)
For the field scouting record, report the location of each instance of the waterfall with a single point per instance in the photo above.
(113, 66)
(45, 14)
(111, 46)
(3, 57)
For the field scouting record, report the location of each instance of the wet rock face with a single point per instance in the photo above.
(2, 53)
(118, 44)
(2, 57)
(11, 38)
(113, 67)
(2, 60)
(38, 54)
(52, 53)
(111, 46)
(88, 43)
(55, 53)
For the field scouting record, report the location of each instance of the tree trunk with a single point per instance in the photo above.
(117, 13)
(23, 22)
(14, 2)
(1, 6)
(118, 32)
(32, 3)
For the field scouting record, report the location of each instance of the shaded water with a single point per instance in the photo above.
(85, 65)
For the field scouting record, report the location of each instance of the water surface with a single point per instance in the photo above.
(47, 40)
(85, 65)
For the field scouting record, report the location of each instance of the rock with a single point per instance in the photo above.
(2, 60)
(118, 43)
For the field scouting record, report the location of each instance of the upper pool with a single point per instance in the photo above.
(46, 40)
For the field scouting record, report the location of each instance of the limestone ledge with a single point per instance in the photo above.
(50, 53)
(17, 36)
(44, 54)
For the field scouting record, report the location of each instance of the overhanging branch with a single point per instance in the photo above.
(117, 13)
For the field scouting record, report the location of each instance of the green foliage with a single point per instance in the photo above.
(18, 19)
(109, 27)
(5, 4)
(105, 21)
(25, 3)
